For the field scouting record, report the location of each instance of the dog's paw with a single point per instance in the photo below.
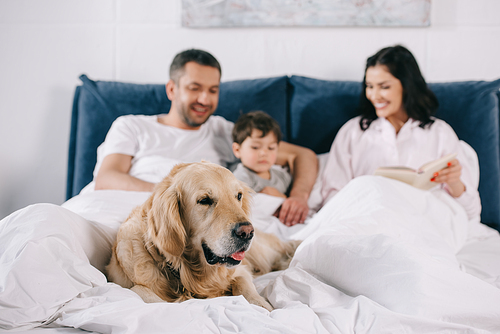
(293, 244)
(260, 301)
(147, 295)
(283, 262)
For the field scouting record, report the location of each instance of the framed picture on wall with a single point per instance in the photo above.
(259, 13)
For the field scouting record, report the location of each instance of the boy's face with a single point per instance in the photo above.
(256, 152)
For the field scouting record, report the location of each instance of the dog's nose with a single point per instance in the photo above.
(243, 231)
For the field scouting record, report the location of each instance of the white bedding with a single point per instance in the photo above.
(381, 257)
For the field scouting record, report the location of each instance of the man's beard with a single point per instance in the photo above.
(190, 122)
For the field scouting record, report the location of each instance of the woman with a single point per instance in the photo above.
(396, 128)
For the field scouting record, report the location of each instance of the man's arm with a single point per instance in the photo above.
(113, 174)
(303, 165)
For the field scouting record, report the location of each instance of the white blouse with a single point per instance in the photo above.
(355, 152)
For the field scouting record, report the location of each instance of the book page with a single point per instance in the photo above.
(406, 175)
(399, 168)
(438, 162)
(420, 178)
(426, 172)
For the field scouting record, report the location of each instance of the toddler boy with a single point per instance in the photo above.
(256, 136)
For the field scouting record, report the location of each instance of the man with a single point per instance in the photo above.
(189, 133)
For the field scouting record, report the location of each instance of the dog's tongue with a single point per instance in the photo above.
(238, 256)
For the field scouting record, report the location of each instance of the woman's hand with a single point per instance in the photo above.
(451, 176)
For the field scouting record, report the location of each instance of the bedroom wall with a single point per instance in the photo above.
(46, 45)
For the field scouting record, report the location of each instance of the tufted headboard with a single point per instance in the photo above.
(310, 112)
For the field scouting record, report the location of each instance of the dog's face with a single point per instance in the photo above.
(204, 207)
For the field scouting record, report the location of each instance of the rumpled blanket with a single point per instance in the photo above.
(380, 257)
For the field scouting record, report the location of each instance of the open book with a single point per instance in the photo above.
(420, 178)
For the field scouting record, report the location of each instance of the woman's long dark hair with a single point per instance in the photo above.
(419, 101)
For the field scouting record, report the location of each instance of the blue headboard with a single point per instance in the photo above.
(310, 112)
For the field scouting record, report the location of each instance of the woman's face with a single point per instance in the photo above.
(385, 92)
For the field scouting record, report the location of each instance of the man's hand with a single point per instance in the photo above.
(293, 211)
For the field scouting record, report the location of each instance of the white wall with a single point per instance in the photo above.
(45, 45)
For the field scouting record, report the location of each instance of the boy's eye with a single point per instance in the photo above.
(254, 147)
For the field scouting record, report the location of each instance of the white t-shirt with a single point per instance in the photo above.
(355, 152)
(156, 147)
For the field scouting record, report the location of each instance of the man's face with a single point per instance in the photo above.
(196, 95)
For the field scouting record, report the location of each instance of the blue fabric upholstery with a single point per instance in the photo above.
(309, 111)
(319, 108)
(242, 96)
(472, 109)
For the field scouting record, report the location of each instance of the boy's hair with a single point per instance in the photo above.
(255, 120)
(198, 56)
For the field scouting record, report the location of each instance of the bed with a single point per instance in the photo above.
(420, 266)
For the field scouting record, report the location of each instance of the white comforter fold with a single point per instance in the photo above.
(381, 257)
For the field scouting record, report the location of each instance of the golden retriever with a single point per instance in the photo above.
(188, 239)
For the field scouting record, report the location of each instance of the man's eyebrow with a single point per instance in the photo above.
(200, 85)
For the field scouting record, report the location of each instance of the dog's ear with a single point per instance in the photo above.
(246, 203)
(165, 227)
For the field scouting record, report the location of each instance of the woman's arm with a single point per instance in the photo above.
(461, 178)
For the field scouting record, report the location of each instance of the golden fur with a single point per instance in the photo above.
(198, 214)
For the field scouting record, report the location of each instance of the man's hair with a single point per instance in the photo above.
(419, 101)
(198, 56)
(259, 120)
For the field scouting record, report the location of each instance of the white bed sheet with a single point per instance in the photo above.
(381, 257)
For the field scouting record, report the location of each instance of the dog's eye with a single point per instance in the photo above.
(239, 196)
(205, 201)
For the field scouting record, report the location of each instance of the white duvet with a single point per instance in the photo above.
(381, 257)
